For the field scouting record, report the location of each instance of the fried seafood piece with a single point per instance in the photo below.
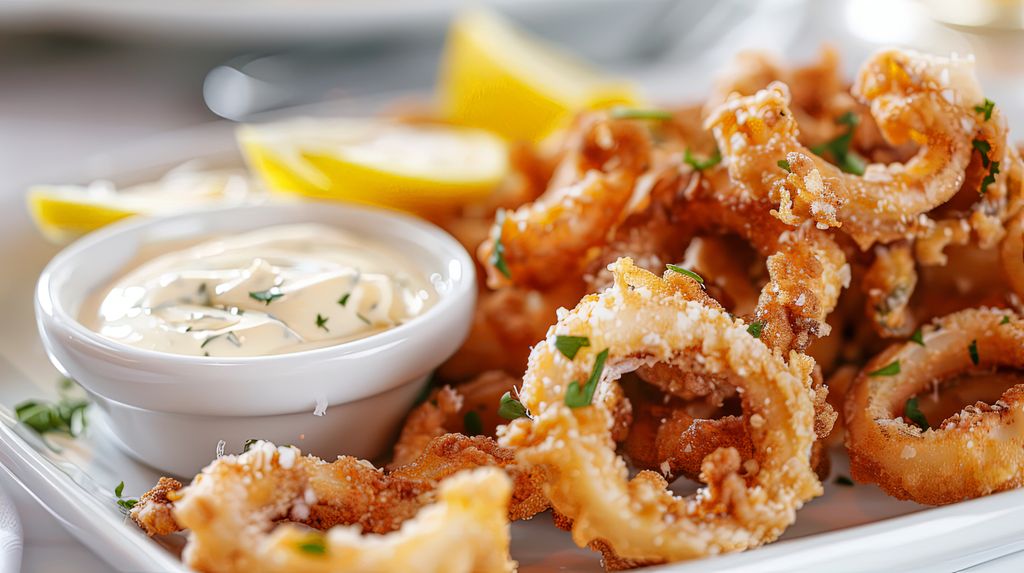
(350, 491)
(469, 409)
(977, 451)
(915, 98)
(807, 269)
(888, 285)
(231, 507)
(672, 435)
(644, 319)
(585, 199)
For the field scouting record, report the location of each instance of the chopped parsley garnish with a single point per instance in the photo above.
(913, 413)
(570, 345)
(784, 165)
(755, 328)
(989, 179)
(125, 504)
(66, 416)
(636, 113)
(983, 147)
(266, 296)
(839, 148)
(917, 337)
(972, 349)
(321, 322)
(701, 164)
(314, 545)
(577, 397)
(510, 408)
(1005, 320)
(686, 272)
(344, 299)
(891, 369)
(843, 481)
(471, 422)
(249, 444)
(360, 316)
(498, 256)
(986, 108)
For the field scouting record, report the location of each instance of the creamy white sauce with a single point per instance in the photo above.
(280, 289)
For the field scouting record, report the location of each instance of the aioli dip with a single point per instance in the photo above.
(276, 290)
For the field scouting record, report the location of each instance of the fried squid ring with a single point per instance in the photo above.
(586, 199)
(913, 97)
(231, 507)
(642, 319)
(975, 452)
(807, 269)
(348, 491)
(888, 285)
(1012, 254)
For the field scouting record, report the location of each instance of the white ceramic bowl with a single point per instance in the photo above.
(170, 411)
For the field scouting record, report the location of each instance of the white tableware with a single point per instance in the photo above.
(149, 397)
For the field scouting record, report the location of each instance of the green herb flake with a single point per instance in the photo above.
(913, 413)
(891, 369)
(986, 108)
(344, 299)
(989, 179)
(621, 112)
(917, 337)
(498, 256)
(839, 148)
(510, 408)
(755, 328)
(972, 349)
(321, 322)
(126, 505)
(686, 272)
(983, 147)
(701, 164)
(577, 397)
(472, 423)
(1005, 320)
(313, 545)
(843, 481)
(360, 316)
(784, 165)
(569, 346)
(266, 296)
(249, 444)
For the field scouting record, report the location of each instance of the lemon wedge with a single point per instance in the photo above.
(413, 167)
(65, 212)
(495, 77)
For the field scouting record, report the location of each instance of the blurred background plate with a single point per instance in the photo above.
(267, 22)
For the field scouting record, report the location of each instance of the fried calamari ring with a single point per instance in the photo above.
(231, 507)
(350, 491)
(985, 444)
(586, 199)
(642, 319)
(913, 97)
(1012, 254)
(807, 269)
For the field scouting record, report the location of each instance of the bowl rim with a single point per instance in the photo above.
(47, 301)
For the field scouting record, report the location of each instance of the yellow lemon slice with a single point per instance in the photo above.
(495, 77)
(414, 167)
(65, 212)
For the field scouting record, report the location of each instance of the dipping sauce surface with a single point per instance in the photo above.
(276, 290)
